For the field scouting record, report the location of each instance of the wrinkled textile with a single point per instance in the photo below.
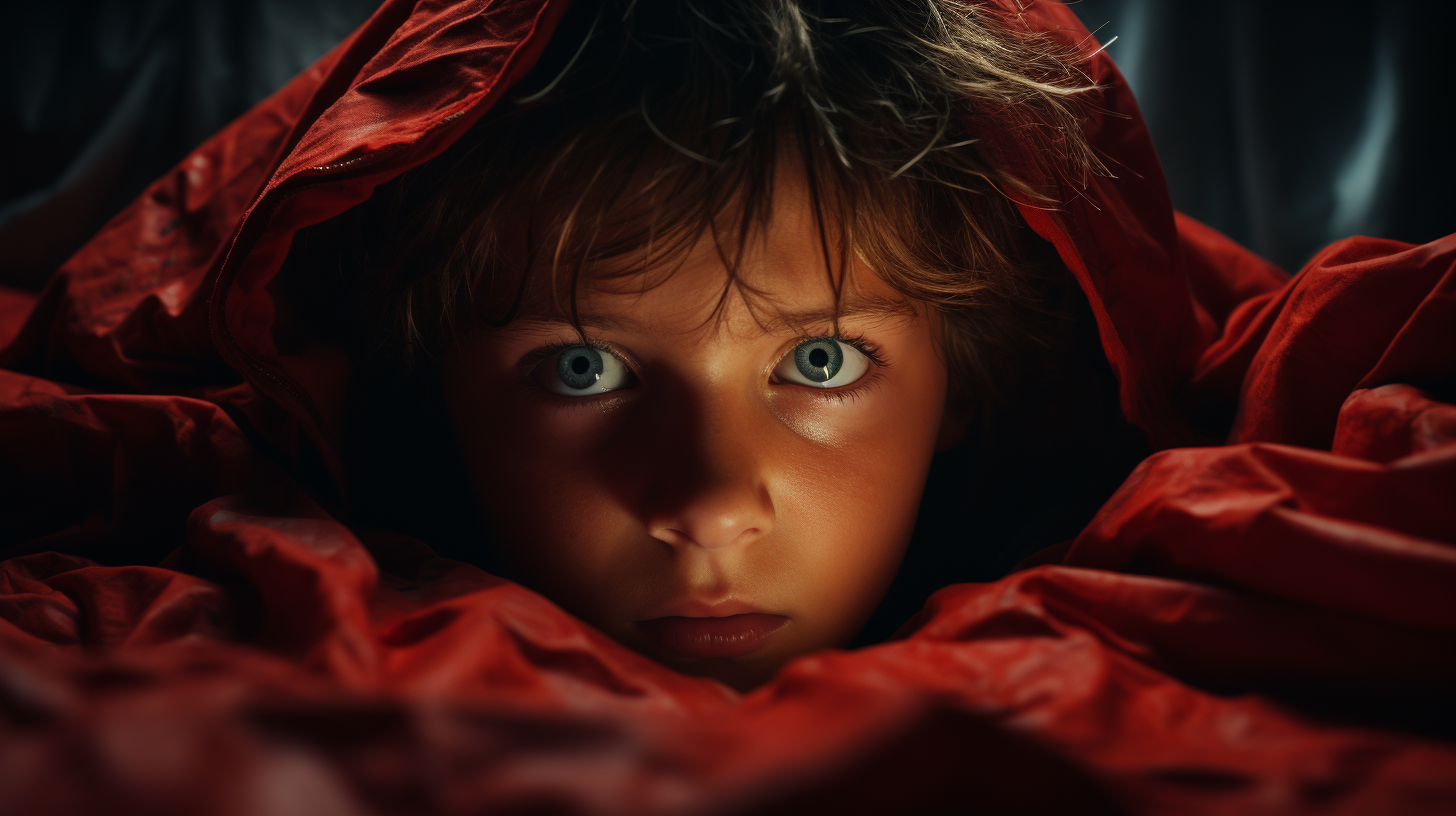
(102, 98)
(1261, 620)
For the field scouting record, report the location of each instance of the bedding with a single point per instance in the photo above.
(1262, 619)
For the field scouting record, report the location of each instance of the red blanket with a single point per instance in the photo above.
(1261, 620)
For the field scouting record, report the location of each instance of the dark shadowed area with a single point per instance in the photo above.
(100, 98)
(1258, 620)
(1283, 128)
(1289, 126)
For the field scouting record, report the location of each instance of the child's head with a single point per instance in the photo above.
(707, 294)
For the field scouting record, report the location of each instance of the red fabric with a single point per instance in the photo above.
(1263, 624)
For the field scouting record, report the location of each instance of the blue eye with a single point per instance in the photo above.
(582, 370)
(822, 362)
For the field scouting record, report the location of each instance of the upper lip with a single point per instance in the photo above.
(698, 608)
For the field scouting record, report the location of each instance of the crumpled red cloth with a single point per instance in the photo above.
(1261, 620)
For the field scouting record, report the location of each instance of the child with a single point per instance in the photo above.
(700, 327)
(704, 297)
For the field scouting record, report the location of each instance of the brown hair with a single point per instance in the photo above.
(648, 123)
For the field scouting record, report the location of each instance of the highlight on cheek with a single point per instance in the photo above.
(823, 362)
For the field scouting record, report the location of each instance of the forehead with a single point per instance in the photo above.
(775, 286)
(784, 271)
(774, 298)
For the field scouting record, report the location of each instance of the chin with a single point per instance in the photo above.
(741, 674)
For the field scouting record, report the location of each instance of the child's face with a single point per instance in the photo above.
(696, 500)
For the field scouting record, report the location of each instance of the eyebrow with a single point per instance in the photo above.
(855, 308)
(851, 309)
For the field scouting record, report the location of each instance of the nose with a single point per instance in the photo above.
(710, 492)
(722, 516)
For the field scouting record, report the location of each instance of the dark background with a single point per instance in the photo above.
(1290, 125)
(1286, 125)
(98, 99)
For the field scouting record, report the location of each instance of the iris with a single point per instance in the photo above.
(819, 359)
(579, 367)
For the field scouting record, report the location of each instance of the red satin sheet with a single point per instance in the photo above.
(1261, 620)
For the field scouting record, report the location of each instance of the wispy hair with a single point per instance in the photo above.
(648, 125)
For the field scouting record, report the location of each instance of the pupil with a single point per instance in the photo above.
(580, 365)
(819, 358)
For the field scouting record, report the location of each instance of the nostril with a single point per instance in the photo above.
(676, 538)
(744, 537)
(679, 538)
(726, 512)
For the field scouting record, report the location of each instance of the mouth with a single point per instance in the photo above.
(722, 636)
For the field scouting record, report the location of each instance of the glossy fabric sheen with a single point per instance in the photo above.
(1261, 620)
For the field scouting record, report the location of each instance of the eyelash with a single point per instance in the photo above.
(534, 358)
(859, 388)
(864, 346)
(851, 392)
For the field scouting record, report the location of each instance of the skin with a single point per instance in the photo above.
(710, 486)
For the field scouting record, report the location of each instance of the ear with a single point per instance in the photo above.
(954, 421)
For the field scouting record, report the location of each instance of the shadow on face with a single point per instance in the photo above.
(720, 484)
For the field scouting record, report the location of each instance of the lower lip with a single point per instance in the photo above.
(729, 636)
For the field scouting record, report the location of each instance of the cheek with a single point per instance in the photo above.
(845, 479)
(902, 404)
(851, 513)
(850, 499)
(531, 457)
(541, 479)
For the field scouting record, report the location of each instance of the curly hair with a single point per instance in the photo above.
(647, 125)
